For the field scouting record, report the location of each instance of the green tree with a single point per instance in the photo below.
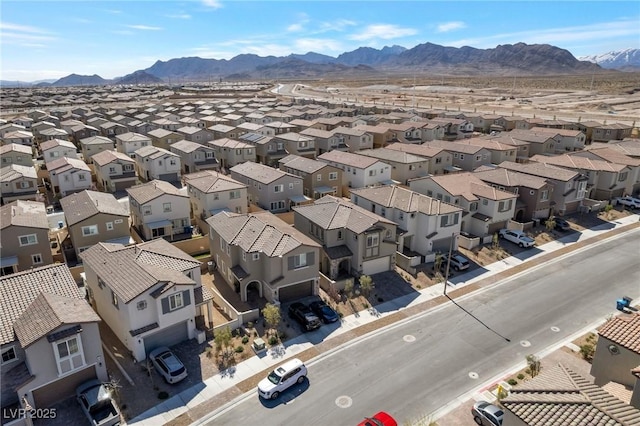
(437, 263)
(348, 287)
(272, 316)
(534, 364)
(222, 340)
(366, 285)
(550, 223)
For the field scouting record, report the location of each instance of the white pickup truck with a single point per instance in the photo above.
(631, 202)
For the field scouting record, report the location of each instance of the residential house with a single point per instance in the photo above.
(498, 152)
(94, 217)
(606, 180)
(381, 135)
(14, 153)
(454, 128)
(569, 186)
(261, 253)
(534, 193)
(269, 188)
(426, 225)
(22, 137)
(78, 131)
(196, 134)
(268, 151)
(354, 138)
(49, 338)
(18, 182)
(249, 127)
(25, 236)
(112, 130)
(224, 131)
(297, 144)
(9, 128)
(56, 148)
(404, 165)
(157, 163)
(128, 143)
(432, 131)
(159, 209)
(354, 241)
(56, 133)
(94, 145)
(318, 178)
(230, 152)
(506, 122)
(487, 209)
(324, 140)
(162, 138)
(440, 160)
(114, 171)
(611, 155)
(194, 156)
(609, 132)
(559, 395)
(566, 140)
(359, 170)
(211, 192)
(68, 175)
(538, 143)
(149, 294)
(406, 132)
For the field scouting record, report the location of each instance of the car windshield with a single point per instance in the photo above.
(172, 363)
(274, 378)
(527, 239)
(327, 311)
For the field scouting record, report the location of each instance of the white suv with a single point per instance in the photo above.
(630, 202)
(282, 378)
(517, 237)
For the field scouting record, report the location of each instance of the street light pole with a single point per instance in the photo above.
(446, 273)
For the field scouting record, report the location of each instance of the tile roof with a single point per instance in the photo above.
(188, 146)
(209, 181)
(405, 200)
(54, 143)
(259, 232)
(506, 177)
(559, 396)
(623, 330)
(580, 163)
(260, 172)
(611, 155)
(15, 147)
(335, 213)
(132, 137)
(30, 214)
(230, 143)
(154, 152)
(470, 187)
(20, 289)
(542, 170)
(426, 150)
(350, 159)
(303, 164)
(393, 155)
(17, 171)
(65, 163)
(106, 157)
(96, 140)
(146, 192)
(82, 205)
(48, 312)
(131, 270)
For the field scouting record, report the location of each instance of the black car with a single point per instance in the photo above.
(324, 311)
(561, 224)
(304, 316)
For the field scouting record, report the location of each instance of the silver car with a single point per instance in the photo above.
(168, 365)
(486, 414)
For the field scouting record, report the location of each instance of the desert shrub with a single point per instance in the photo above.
(512, 382)
(239, 349)
(250, 324)
(587, 351)
(273, 340)
(245, 340)
(283, 336)
(520, 376)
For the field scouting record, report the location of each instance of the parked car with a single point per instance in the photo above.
(324, 311)
(517, 237)
(486, 414)
(631, 202)
(457, 262)
(561, 224)
(304, 316)
(283, 377)
(379, 419)
(97, 404)
(168, 365)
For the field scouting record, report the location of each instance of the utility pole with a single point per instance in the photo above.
(446, 273)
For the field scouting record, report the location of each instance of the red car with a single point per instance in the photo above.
(380, 419)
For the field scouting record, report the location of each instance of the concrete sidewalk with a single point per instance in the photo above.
(216, 391)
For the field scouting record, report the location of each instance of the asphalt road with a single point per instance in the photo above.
(414, 368)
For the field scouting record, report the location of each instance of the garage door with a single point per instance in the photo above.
(442, 245)
(168, 337)
(296, 291)
(169, 177)
(374, 266)
(61, 389)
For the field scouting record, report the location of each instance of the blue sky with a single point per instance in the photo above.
(51, 39)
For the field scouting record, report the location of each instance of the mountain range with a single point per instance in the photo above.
(517, 59)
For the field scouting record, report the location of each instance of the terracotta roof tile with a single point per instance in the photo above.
(623, 330)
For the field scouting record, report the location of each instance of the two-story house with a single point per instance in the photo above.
(427, 225)
(404, 165)
(114, 171)
(566, 139)
(149, 294)
(230, 152)
(196, 134)
(487, 209)
(354, 138)
(359, 170)
(440, 160)
(609, 132)
(611, 155)
(194, 156)
(163, 138)
(21, 137)
(211, 192)
(49, 338)
(13, 153)
(25, 236)
(262, 253)
(297, 144)
(268, 151)
(18, 183)
(269, 188)
(128, 143)
(68, 175)
(159, 209)
(94, 145)
(57, 148)
(318, 178)
(354, 241)
(94, 217)
(157, 163)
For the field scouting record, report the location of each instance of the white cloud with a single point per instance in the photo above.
(113, 11)
(318, 45)
(294, 28)
(179, 16)
(451, 26)
(23, 35)
(21, 28)
(144, 27)
(382, 31)
(214, 4)
(338, 25)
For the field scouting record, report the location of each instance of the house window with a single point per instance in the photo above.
(291, 185)
(68, 354)
(449, 219)
(473, 206)
(114, 299)
(412, 167)
(28, 240)
(109, 226)
(208, 154)
(238, 152)
(82, 177)
(166, 207)
(438, 160)
(504, 206)
(277, 205)
(485, 202)
(255, 256)
(142, 305)
(146, 210)
(89, 230)
(622, 176)
(372, 245)
(9, 355)
(581, 190)
(175, 301)
(300, 260)
(340, 235)
(244, 255)
(112, 170)
(36, 259)
(278, 188)
(544, 195)
(371, 172)
(172, 162)
(333, 176)
(319, 177)
(233, 195)
(462, 156)
(25, 185)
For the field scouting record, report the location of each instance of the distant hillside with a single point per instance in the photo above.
(292, 68)
(81, 80)
(369, 55)
(627, 59)
(138, 77)
(314, 58)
